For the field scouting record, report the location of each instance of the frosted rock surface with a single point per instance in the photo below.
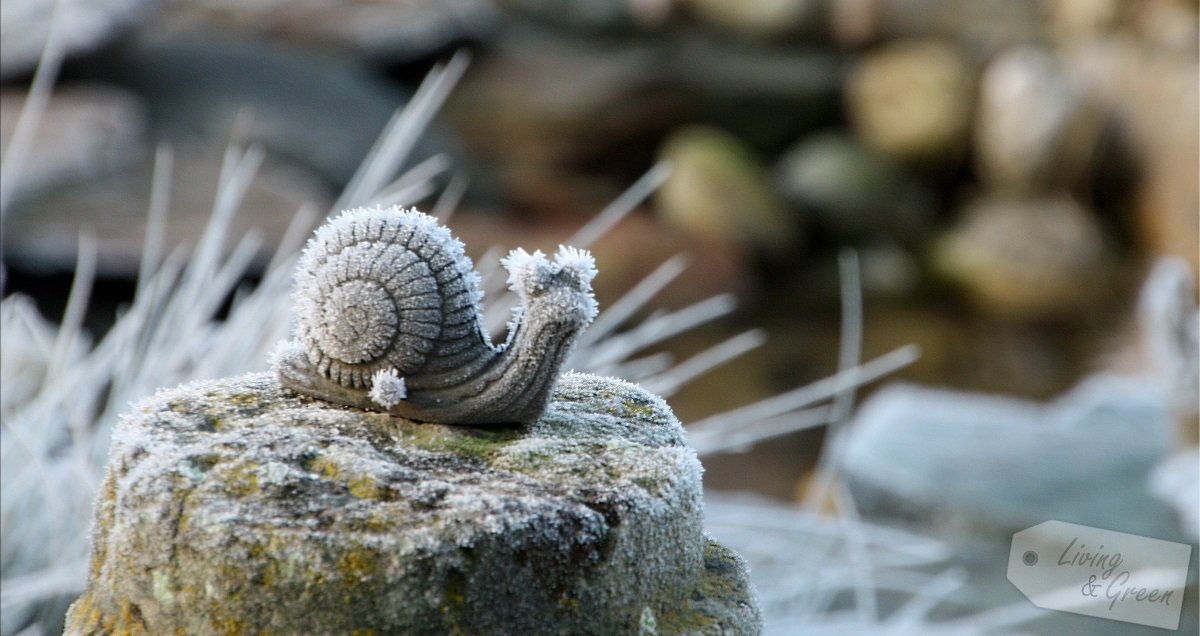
(1010, 463)
(232, 506)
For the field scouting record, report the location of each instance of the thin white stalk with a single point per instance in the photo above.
(621, 206)
(292, 240)
(639, 369)
(911, 615)
(810, 394)
(237, 172)
(658, 328)
(414, 184)
(156, 220)
(451, 196)
(632, 301)
(850, 345)
(866, 601)
(30, 118)
(710, 440)
(71, 331)
(401, 133)
(849, 356)
(991, 621)
(667, 383)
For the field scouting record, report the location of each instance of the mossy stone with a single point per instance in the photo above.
(295, 516)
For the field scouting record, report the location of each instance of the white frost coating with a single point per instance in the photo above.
(534, 274)
(387, 388)
(395, 527)
(388, 293)
(519, 263)
(1176, 480)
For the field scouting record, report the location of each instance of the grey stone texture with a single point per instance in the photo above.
(234, 506)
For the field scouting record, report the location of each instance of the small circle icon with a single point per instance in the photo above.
(1029, 558)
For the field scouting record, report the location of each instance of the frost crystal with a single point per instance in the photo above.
(387, 388)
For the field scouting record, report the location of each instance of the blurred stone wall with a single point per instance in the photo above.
(1004, 169)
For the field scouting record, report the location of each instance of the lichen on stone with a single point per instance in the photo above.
(296, 516)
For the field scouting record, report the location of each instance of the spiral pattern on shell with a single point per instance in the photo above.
(388, 318)
(380, 290)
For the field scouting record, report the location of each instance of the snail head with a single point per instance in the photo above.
(564, 283)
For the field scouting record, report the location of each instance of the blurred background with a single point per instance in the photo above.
(1007, 172)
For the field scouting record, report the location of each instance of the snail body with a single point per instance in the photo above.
(388, 318)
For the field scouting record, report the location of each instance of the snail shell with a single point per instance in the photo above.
(388, 318)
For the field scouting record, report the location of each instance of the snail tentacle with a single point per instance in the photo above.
(388, 317)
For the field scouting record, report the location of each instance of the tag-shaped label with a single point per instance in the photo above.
(1073, 568)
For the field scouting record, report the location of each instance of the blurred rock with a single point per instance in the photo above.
(322, 111)
(1155, 96)
(854, 191)
(1035, 126)
(971, 469)
(565, 122)
(233, 503)
(42, 233)
(1026, 257)
(996, 464)
(887, 269)
(391, 31)
(1075, 21)
(991, 464)
(983, 26)
(1176, 481)
(25, 26)
(1166, 25)
(718, 189)
(542, 110)
(760, 19)
(86, 131)
(913, 100)
(973, 353)
(595, 15)
(768, 95)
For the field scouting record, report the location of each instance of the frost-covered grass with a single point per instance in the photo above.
(62, 393)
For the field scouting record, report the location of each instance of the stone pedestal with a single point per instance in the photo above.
(233, 506)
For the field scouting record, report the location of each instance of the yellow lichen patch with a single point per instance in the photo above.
(229, 626)
(462, 441)
(270, 575)
(365, 487)
(360, 486)
(241, 478)
(640, 409)
(129, 620)
(358, 564)
(324, 467)
(378, 522)
(83, 617)
(104, 523)
(569, 603)
(244, 400)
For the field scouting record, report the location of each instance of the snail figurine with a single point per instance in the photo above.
(388, 318)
